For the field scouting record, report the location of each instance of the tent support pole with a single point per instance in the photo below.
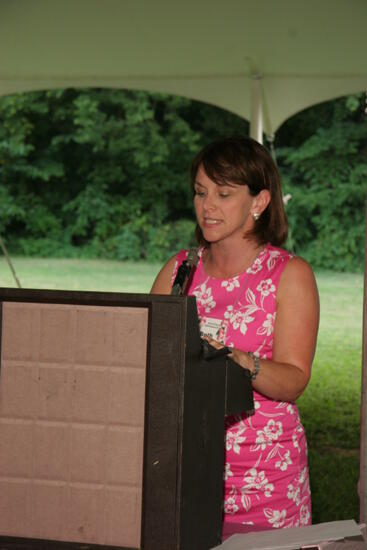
(7, 257)
(256, 122)
(363, 444)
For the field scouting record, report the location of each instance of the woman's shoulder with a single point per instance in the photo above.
(298, 265)
(278, 252)
(298, 277)
(299, 268)
(290, 268)
(273, 260)
(163, 281)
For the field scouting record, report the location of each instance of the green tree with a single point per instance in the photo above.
(98, 172)
(325, 172)
(104, 173)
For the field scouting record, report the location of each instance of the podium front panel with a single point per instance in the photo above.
(72, 398)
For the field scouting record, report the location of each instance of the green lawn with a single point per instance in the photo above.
(330, 407)
(111, 276)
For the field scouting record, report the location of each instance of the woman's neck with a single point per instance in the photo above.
(226, 262)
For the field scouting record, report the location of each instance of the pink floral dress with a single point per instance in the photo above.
(266, 483)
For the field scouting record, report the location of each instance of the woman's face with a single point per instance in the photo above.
(223, 212)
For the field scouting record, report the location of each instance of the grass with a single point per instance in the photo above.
(330, 407)
(72, 274)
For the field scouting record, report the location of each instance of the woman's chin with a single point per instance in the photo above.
(210, 238)
(211, 234)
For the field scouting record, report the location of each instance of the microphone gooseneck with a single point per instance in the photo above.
(184, 272)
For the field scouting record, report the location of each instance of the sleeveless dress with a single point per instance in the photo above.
(266, 482)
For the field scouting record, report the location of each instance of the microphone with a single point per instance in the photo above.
(184, 272)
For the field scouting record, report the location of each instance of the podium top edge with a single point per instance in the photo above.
(88, 297)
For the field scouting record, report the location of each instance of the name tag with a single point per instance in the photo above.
(214, 328)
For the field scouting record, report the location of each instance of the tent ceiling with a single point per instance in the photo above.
(305, 51)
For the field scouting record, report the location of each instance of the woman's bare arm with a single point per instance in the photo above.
(286, 375)
(163, 281)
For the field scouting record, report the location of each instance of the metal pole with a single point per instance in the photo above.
(270, 138)
(363, 444)
(7, 257)
(256, 122)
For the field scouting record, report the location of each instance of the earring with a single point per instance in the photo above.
(256, 216)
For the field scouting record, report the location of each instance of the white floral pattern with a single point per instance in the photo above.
(276, 518)
(227, 471)
(284, 462)
(256, 267)
(266, 472)
(256, 481)
(266, 287)
(204, 297)
(304, 515)
(230, 506)
(234, 440)
(267, 327)
(231, 284)
(267, 436)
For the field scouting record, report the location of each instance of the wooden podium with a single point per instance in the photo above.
(111, 422)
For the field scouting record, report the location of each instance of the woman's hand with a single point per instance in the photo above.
(244, 359)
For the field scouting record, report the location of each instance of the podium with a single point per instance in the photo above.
(111, 422)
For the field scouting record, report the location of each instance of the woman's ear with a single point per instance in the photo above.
(260, 202)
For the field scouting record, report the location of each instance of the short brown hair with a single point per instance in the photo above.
(243, 161)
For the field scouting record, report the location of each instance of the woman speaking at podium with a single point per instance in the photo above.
(262, 302)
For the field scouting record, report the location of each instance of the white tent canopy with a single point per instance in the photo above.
(288, 54)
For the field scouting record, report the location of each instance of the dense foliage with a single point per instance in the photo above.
(104, 173)
(325, 171)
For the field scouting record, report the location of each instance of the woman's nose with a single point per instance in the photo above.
(209, 202)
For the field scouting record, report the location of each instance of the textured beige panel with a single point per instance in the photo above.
(123, 445)
(110, 339)
(84, 513)
(128, 383)
(72, 393)
(129, 345)
(94, 336)
(122, 522)
(16, 382)
(88, 451)
(54, 392)
(49, 506)
(15, 507)
(56, 334)
(21, 325)
(51, 451)
(16, 448)
(90, 389)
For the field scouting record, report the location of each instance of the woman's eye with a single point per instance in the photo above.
(199, 193)
(224, 195)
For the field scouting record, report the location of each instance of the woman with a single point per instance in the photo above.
(262, 302)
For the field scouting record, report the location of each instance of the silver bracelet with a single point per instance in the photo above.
(256, 360)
